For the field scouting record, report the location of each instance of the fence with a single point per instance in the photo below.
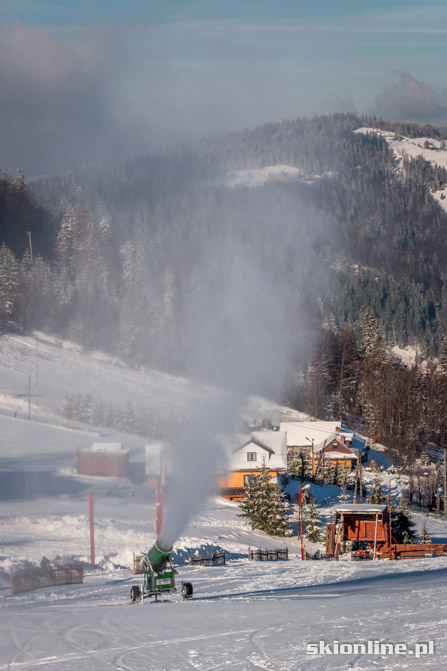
(259, 554)
(319, 555)
(46, 576)
(214, 559)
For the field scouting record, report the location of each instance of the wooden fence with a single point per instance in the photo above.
(259, 554)
(215, 559)
(45, 576)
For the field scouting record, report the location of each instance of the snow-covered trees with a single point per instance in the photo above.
(125, 418)
(377, 494)
(424, 536)
(9, 283)
(402, 525)
(264, 505)
(301, 464)
(313, 531)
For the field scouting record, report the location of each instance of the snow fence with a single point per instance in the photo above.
(46, 575)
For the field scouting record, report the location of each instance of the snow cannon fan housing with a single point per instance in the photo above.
(157, 558)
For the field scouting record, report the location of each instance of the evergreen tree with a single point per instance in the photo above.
(343, 498)
(402, 525)
(67, 407)
(264, 505)
(443, 356)
(249, 504)
(377, 495)
(313, 532)
(20, 178)
(9, 284)
(424, 536)
(301, 464)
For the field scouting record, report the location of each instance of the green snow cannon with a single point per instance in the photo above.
(159, 574)
(157, 558)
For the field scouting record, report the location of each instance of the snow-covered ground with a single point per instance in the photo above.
(244, 616)
(254, 177)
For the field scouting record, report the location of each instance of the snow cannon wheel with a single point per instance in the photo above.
(135, 592)
(187, 590)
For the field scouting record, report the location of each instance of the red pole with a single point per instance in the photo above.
(92, 530)
(301, 523)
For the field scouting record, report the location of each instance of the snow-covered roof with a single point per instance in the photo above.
(271, 444)
(272, 440)
(340, 455)
(302, 433)
(341, 439)
(359, 508)
(107, 447)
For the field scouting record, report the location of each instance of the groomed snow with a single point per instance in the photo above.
(244, 616)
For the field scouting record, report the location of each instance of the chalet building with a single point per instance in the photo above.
(247, 460)
(318, 436)
(334, 451)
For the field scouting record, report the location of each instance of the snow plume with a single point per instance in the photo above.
(239, 339)
(195, 457)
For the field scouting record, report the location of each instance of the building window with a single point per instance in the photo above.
(252, 456)
(247, 479)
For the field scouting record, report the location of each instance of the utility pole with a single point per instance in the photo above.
(29, 396)
(30, 246)
(37, 370)
(92, 528)
(361, 482)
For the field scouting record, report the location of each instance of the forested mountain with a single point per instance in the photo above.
(137, 244)
(22, 216)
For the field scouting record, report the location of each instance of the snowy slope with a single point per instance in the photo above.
(244, 616)
(66, 368)
(405, 147)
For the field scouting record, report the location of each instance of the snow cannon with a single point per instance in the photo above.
(159, 575)
(157, 557)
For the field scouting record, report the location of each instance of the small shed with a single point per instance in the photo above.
(106, 459)
(364, 524)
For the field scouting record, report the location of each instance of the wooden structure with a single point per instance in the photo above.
(106, 459)
(412, 551)
(335, 451)
(365, 525)
(45, 575)
(259, 554)
(214, 559)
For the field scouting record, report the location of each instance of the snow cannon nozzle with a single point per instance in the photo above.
(158, 555)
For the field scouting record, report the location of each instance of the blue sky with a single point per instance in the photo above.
(90, 80)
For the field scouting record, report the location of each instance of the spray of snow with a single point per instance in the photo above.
(240, 341)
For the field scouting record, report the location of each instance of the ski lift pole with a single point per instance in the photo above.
(92, 530)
